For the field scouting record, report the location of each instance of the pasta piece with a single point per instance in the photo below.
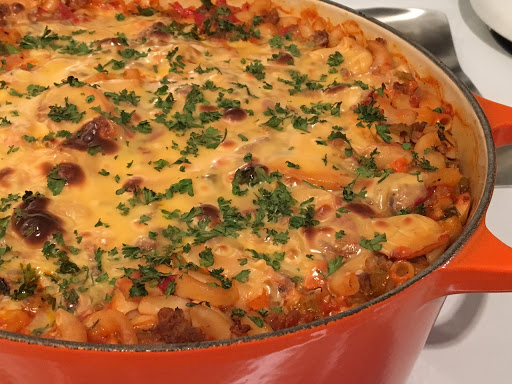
(150, 305)
(401, 271)
(344, 283)
(407, 236)
(191, 288)
(109, 326)
(212, 322)
(69, 327)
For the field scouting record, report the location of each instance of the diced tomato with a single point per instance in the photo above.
(199, 18)
(415, 99)
(284, 30)
(164, 283)
(261, 301)
(233, 18)
(183, 12)
(65, 13)
(400, 165)
(314, 279)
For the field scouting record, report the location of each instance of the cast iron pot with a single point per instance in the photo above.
(372, 344)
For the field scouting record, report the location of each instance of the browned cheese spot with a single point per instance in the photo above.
(362, 210)
(32, 221)
(4, 175)
(211, 212)
(99, 132)
(132, 183)
(335, 89)
(284, 59)
(234, 114)
(73, 173)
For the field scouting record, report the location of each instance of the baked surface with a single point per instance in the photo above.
(187, 174)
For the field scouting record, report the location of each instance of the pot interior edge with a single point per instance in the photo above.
(483, 161)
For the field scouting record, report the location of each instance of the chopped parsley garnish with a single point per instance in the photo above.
(34, 90)
(29, 283)
(256, 69)
(298, 81)
(242, 276)
(160, 164)
(4, 122)
(39, 42)
(273, 260)
(335, 59)
(369, 114)
(383, 132)
(55, 181)
(123, 96)
(130, 53)
(238, 312)
(28, 139)
(71, 81)
(349, 194)
(334, 264)
(292, 165)
(68, 112)
(4, 222)
(375, 243)
(206, 257)
(257, 321)
(224, 281)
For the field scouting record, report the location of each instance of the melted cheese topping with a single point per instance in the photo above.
(233, 175)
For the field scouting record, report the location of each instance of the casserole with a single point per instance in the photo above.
(362, 311)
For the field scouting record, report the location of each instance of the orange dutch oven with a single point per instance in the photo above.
(375, 343)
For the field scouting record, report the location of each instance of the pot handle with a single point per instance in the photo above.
(485, 263)
(500, 119)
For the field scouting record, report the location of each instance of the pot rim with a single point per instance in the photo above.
(450, 252)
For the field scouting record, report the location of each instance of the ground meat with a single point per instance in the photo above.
(401, 87)
(365, 285)
(238, 328)
(271, 17)
(321, 39)
(174, 327)
(417, 131)
(4, 10)
(286, 320)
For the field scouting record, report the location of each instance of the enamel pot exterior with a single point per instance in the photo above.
(377, 343)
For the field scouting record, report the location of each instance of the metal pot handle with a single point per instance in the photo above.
(485, 263)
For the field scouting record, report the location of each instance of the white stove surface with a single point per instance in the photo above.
(470, 342)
